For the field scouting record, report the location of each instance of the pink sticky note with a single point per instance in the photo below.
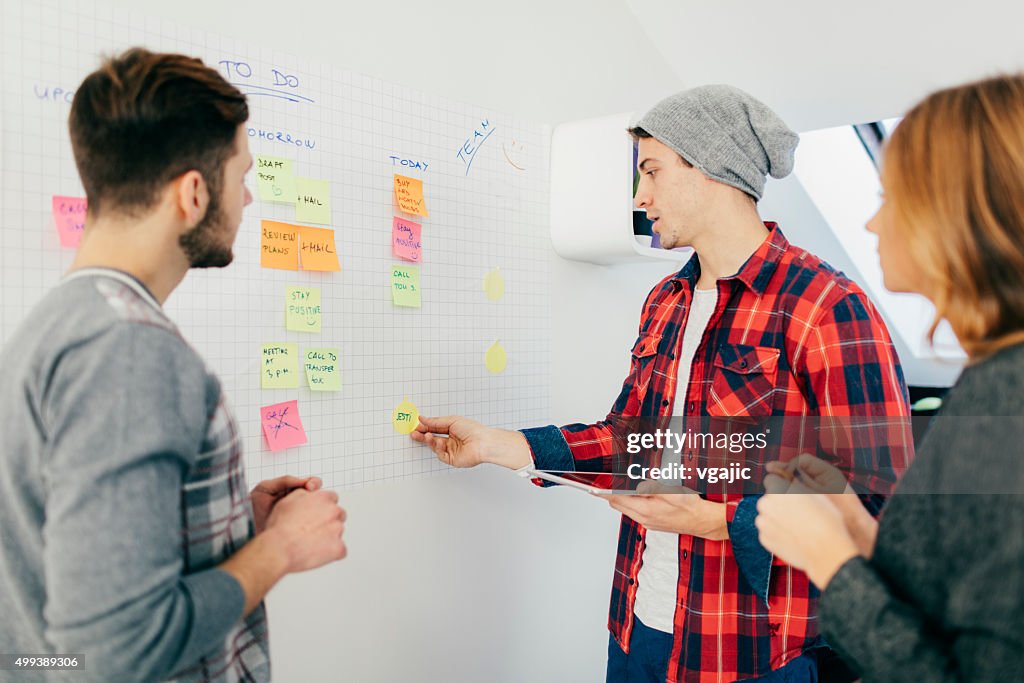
(282, 426)
(405, 239)
(69, 217)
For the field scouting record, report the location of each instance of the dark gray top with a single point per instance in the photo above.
(942, 599)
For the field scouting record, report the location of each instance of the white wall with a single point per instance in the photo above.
(476, 576)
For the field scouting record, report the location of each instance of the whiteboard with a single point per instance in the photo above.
(488, 203)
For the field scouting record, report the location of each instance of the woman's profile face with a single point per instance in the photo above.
(899, 272)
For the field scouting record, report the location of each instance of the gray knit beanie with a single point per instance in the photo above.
(727, 134)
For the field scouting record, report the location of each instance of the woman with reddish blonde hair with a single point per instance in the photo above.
(935, 590)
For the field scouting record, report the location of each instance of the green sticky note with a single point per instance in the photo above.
(302, 309)
(322, 371)
(275, 179)
(313, 201)
(279, 368)
(405, 286)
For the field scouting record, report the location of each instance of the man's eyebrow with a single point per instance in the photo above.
(644, 163)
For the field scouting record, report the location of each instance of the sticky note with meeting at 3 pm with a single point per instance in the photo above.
(279, 245)
(279, 366)
(69, 218)
(317, 249)
(275, 179)
(282, 427)
(409, 195)
(405, 239)
(302, 309)
(322, 370)
(312, 201)
(405, 286)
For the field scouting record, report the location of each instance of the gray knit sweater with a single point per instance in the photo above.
(942, 598)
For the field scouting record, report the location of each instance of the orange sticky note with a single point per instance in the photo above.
(279, 245)
(282, 426)
(409, 194)
(318, 251)
(69, 217)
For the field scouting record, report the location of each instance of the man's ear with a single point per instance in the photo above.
(192, 197)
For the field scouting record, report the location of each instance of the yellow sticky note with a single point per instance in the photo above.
(317, 249)
(495, 358)
(280, 366)
(405, 286)
(302, 309)
(405, 417)
(312, 201)
(494, 285)
(322, 371)
(409, 195)
(279, 245)
(275, 179)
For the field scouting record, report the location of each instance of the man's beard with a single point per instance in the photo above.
(201, 245)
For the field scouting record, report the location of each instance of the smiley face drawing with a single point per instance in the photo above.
(514, 153)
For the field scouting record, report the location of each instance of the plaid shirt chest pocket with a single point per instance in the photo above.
(641, 365)
(744, 380)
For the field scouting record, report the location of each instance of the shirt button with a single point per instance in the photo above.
(690, 456)
(743, 363)
(672, 356)
(684, 554)
(664, 402)
(631, 582)
(693, 407)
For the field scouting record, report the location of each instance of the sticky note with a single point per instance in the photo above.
(409, 195)
(317, 249)
(405, 239)
(312, 201)
(494, 285)
(279, 368)
(282, 426)
(279, 245)
(495, 359)
(405, 286)
(275, 179)
(69, 218)
(405, 417)
(322, 370)
(302, 309)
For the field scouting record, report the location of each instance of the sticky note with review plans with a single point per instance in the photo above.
(405, 239)
(312, 201)
(409, 195)
(317, 250)
(69, 219)
(322, 370)
(279, 245)
(302, 309)
(405, 286)
(279, 366)
(282, 427)
(405, 417)
(275, 179)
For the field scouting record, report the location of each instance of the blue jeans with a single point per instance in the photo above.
(649, 650)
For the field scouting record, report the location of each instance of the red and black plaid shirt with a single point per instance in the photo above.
(790, 336)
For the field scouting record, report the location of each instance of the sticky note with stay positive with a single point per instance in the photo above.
(279, 366)
(317, 249)
(405, 239)
(312, 201)
(322, 370)
(279, 245)
(275, 179)
(302, 309)
(69, 218)
(409, 195)
(281, 425)
(405, 286)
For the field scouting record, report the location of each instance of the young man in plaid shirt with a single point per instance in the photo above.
(751, 328)
(130, 537)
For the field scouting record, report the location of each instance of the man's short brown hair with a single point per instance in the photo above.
(143, 119)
